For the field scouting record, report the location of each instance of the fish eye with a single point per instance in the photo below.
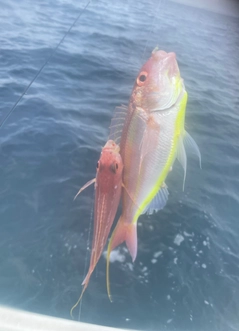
(98, 164)
(142, 78)
(114, 167)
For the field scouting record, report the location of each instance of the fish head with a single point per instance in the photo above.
(110, 167)
(158, 84)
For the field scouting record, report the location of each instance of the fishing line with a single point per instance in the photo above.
(150, 33)
(88, 249)
(5, 118)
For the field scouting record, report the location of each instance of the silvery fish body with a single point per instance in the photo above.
(152, 136)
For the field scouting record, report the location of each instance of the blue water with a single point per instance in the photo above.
(186, 275)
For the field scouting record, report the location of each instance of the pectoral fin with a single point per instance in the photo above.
(151, 133)
(85, 186)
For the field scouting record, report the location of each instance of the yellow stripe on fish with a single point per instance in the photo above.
(179, 130)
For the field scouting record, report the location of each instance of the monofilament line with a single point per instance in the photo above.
(151, 30)
(88, 246)
(5, 118)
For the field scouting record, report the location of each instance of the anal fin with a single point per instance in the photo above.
(159, 201)
(182, 158)
(192, 146)
(186, 141)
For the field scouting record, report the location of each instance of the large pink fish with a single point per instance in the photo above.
(152, 135)
(108, 185)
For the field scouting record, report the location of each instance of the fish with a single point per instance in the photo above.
(108, 187)
(151, 134)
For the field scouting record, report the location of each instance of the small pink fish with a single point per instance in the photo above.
(108, 186)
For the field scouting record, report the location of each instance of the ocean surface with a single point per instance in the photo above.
(186, 275)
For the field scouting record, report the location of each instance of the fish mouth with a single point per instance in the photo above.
(167, 62)
(169, 81)
(112, 146)
(160, 55)
(172, 55)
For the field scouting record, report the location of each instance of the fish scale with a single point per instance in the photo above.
(155, 160)
(150, 141)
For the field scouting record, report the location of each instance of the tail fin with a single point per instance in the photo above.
(85, 283)
(123, 232)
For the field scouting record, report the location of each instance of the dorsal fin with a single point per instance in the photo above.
(117, 123)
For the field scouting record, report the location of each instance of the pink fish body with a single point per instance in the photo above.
(108, 186)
